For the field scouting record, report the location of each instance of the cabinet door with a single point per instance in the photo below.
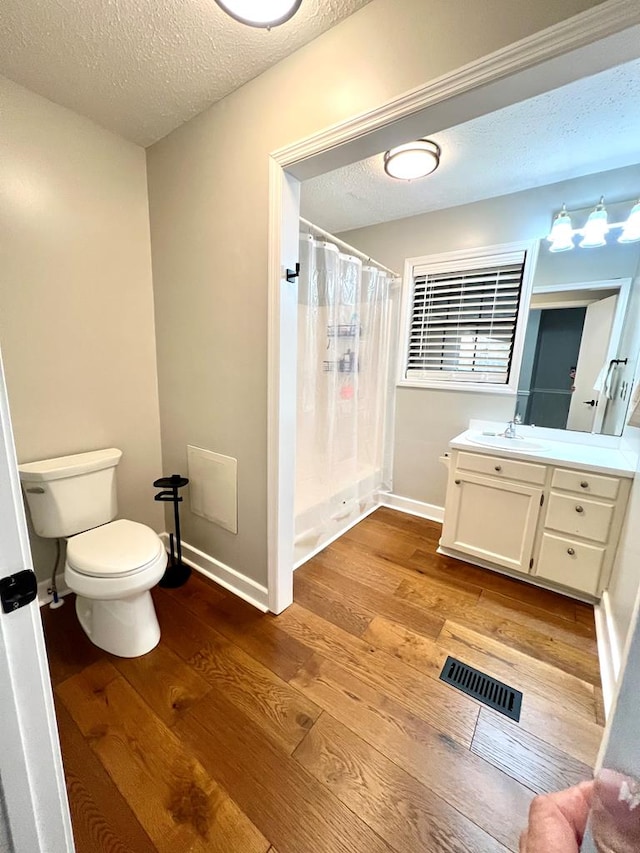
(491, 519)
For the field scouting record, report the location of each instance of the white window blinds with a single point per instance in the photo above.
(463, 320)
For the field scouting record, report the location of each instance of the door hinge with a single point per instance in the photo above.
(18, 590)
(531, 563)
(541, 499)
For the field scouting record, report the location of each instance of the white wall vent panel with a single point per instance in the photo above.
(213, 487)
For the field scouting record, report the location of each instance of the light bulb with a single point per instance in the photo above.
(631, 228)
(596, 228)
(561, 235)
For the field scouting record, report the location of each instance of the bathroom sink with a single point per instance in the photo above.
(515, 445)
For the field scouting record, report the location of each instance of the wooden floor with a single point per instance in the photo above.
(326, 729)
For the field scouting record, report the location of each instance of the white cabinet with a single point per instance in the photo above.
(557, 526)
(492, 519)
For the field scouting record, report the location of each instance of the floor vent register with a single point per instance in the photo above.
(482, 687)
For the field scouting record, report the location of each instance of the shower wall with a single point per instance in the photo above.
(345, 323)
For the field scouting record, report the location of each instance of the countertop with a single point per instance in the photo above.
(584, 457)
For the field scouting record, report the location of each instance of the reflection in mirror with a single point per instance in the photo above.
(582, 340)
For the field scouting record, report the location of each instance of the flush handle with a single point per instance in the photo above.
(498, 468)
(571, 552)
(457, 482)
(584, 485)
(35, 490)
(579, 509)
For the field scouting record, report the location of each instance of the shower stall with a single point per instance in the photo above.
(347, 314)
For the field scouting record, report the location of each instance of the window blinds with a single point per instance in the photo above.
(463, 321)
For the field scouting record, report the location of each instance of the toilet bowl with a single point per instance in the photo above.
(111, 565)
(111, 569)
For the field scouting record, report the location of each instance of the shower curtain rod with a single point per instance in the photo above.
(351, 249)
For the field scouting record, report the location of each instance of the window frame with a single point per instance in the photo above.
(483, 255)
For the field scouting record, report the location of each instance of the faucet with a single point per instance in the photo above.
(510, 431)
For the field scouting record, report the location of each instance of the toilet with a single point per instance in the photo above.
(110, 565)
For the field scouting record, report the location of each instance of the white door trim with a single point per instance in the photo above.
(31, 764)
(366, 134)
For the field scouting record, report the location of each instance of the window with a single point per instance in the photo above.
(463, 318)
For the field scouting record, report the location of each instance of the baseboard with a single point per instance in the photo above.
(45, 597)
(232, 580)
(608, 650)
(411, 507)
(337, 535)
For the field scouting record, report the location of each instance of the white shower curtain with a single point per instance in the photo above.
(344, 376)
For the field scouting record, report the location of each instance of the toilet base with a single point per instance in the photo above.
(126, 627)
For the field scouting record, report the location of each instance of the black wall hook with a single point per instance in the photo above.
(292, 275)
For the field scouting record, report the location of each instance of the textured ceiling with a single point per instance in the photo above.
(586, 127)
(142, 67)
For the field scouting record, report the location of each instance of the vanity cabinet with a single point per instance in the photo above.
(557, 526)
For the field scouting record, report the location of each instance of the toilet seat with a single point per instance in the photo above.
(118, 549)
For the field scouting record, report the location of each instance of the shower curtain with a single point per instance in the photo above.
(345, 319)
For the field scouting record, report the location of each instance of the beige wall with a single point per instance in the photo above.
(209, 213)
(76, 301)
(427, 419)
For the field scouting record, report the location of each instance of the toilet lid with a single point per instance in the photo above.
(118, 548)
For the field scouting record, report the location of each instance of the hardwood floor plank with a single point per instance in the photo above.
(102, 820)
(536, 644)
(454, 713)
(419, 652)
(163, 681)
(284, 801)
(381, 540)
(278, 710)
(177, 803)
(254, 632)
(401, 810)
(421, 528)
(550, 602)
(527, 758)
(282, 712)
(486, 795)
(574, 633)
(69, 650)
(331, 605)
(419, 619)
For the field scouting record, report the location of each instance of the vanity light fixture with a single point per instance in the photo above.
(631, 228)
(260, 13)
(596, 227)
(561, 236)
(412, 160)
(594, 231)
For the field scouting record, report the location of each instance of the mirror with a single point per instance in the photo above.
(581, 345)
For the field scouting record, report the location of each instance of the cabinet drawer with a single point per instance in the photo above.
(497, 466)
(572, 564)
(596, 485)
(573, 514)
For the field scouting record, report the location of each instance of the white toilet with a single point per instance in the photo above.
(111, 565)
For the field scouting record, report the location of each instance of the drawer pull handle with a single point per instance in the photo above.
(498, 468)
(571, 551)
(584, 485)
(579, 509)
(457, 482)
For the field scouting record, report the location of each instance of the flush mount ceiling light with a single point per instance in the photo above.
(412, 160)
(596, 227)
(260, 13)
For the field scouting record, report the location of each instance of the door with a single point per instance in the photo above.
(34, 813)
(492, 519)
(592, 356)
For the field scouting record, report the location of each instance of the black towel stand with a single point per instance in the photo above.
(177, 572)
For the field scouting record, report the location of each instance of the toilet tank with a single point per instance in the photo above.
(71, 494)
